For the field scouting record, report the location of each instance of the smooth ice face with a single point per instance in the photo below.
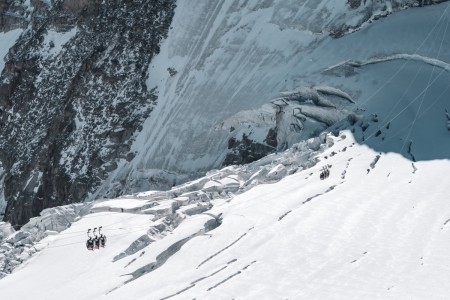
(232, 58)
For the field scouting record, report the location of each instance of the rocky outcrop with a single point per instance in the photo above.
(73, 96)
(246, 150)
(13, 14)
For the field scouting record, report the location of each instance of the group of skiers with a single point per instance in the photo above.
(325, 173)
(97, 241)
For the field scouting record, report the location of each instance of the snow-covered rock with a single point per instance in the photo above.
(5, 230)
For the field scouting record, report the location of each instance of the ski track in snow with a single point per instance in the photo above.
(222, 250)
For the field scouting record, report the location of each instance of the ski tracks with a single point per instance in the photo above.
(211, 275)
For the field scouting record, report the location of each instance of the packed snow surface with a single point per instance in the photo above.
(373, 230)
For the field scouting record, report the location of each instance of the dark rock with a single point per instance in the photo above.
(271, 138)
(77, 111)
(354, 3)
(245, 151)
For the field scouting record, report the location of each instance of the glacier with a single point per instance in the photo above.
(234, 57)
(369, 101)
(268, 230)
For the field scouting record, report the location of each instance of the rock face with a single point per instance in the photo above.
(246, 150)
(13, 14)
(73, 95)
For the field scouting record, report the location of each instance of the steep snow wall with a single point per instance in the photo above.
(224, 61)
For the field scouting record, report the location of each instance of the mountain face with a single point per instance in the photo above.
(243, 73)
(102, 98)
(73, 95)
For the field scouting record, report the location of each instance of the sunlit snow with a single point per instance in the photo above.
(372, 230)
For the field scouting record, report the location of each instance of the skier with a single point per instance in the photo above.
(90, 241)
(102, 239)
(96, 239)
(90, 244)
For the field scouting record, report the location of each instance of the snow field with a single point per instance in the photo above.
(373, 230)
(355, 241)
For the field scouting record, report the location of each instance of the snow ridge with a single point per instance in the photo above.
(415, 57)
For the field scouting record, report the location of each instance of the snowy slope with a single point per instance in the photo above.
(373, 230)
(233, 57)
